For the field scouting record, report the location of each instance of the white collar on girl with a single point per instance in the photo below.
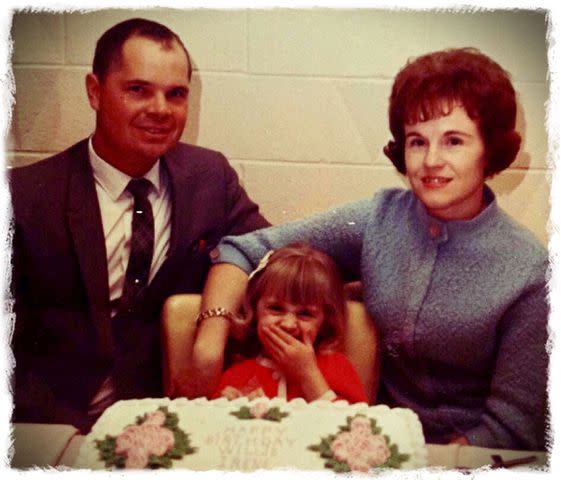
(329, 395)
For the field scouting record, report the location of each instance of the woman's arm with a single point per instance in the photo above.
(225, 287)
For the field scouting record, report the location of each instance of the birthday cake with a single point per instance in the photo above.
(243, 435)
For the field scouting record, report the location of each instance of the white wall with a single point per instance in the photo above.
(297, 99)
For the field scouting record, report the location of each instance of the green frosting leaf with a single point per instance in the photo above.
(273, 414)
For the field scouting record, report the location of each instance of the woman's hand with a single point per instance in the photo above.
(297, 360)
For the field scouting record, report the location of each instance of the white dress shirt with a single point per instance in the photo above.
(116, 206)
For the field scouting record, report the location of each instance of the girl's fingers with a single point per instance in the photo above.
(275, 352)
(270, 342)
(272, 336)
(306, 339)
(283, 335)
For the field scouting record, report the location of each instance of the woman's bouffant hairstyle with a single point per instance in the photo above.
(302, 275)
(431, 85)
(109, 47)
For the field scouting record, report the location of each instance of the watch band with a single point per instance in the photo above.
(217, 312)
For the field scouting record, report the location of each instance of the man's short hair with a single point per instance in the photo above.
(109, 47)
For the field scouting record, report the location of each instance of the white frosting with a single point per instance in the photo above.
(224, 442)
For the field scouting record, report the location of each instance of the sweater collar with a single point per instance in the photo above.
(441, 230)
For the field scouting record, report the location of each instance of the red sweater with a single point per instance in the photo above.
(253, 374)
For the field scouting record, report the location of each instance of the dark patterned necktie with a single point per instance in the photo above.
(142, 245)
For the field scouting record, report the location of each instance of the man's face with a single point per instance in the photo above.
(141, 105)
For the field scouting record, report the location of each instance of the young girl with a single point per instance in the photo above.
(296, 296)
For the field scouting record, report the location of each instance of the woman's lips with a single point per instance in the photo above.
(435, 181)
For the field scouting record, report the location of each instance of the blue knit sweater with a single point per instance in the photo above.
(461, 307)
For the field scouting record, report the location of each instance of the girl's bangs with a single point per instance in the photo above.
(298, 283)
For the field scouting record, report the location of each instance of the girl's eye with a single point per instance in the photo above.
(275, 308)
(307, 313)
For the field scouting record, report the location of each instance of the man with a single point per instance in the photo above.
(94, 255)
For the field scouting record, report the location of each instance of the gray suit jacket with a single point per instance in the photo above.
(65, 342)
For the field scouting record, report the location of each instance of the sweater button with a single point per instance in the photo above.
(434, 230)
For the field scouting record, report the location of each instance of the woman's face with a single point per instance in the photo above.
(445, 164)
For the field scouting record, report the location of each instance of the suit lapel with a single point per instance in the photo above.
(84, 220)
(182, 194)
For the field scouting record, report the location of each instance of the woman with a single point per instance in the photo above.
(456, 287)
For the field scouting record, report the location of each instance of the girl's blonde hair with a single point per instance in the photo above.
(302, 275)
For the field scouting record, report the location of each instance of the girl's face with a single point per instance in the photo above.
(445, 163)
(292, 318)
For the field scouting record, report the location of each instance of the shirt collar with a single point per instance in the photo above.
(448, 227)
(112, 180)
(266, 362)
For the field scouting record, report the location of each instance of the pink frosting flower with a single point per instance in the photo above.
(360, 423)
(155, 418)
(378, 451)
(359, 447)
(357, 464)
(128, 439)
(342, 446)
(136, 458)
(138, 442)
(157, 440)
(259, 410)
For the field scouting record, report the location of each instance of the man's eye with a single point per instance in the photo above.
(178, 93)
(274, 308)
(136, 89)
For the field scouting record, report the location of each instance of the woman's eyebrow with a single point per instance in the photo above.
(458, 132)
(413, 133)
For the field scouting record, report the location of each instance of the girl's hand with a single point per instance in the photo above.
(289, 353)
(297, 360)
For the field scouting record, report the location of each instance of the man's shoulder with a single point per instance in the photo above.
(197, 161)
(187, 151)
(47, 170)
(45, 182)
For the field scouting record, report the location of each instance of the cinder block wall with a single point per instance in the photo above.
(297, 99)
